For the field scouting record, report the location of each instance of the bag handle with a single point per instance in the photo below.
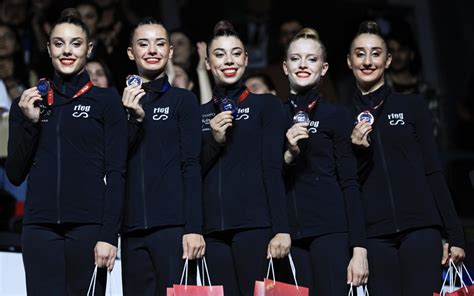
(184, 274)
(292, 266)
(453, 273)
(92, 283)
(467, 272)
(351, 291)
(199, 281)
(270, 267)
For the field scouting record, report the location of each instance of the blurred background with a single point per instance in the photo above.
(431, 42)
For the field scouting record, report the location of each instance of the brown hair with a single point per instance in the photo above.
(223, 28)
(309, 33)
(147, 21)
(370, 27)
(71, 16)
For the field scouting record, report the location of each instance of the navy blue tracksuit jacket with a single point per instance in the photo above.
(164, 172)
(243, 185)
(402, 182)
(322, 186)
(66, 156)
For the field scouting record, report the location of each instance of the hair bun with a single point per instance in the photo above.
(369, 27)
(307, 33)
(224, 27)
(70, 13)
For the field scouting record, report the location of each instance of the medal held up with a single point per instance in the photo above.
(134, 80)
(229, 105)
(366, 116)
(301, 117)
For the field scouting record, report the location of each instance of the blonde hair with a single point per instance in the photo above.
(309, 33)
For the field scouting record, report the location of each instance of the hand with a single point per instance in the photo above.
(279, 246)
(358, 268)
(27, 104)
(297, 132)
(105, 254)
(131, 100)
(202, 52)
(456, 254)
(194, 246)
(219, 125)
(360, 134)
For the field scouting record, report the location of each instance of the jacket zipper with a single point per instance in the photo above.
(220, 194)
(387, 178)
(296, 214)
(58, 161)
(143, 188)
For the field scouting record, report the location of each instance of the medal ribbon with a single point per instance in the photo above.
(243, 96)
(311, 106)
(86, 87)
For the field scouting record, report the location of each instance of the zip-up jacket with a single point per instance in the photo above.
(164, 172)
(74, 157)
(322, 186)
(402, 182)
(243, 185)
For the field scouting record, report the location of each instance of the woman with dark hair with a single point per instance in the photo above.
(67, 136)
(163, 214)
(407, 203)
(245, 218)
(326, 216)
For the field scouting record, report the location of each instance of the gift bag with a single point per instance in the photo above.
(271, 287)
(195, 290)
(354, 291)
(453, 273)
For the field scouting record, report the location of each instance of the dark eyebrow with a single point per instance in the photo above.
(372, 48)
(158, 39)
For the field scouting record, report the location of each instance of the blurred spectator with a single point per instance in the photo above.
(181, 78)
(114, 30)
(182, 49)
(404, 74)
(99, 73)
(260, 83)
(287, 30)
(192, 60)
(90, 14)
(13, 71)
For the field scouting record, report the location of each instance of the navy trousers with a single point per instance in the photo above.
(407, 264)
(237, 258)
(59, 259)
(151, 260)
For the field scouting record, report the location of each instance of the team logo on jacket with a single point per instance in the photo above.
(243, 114)
(313, 127)
(81, 111)
(396, 119)
(161, 113)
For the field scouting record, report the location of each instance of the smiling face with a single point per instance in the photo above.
(368, 59)
(151, 50)
(68, 48)
(304, 64)
(227, 60)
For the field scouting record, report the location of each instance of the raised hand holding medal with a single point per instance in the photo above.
(132, 95)
(229, 105)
